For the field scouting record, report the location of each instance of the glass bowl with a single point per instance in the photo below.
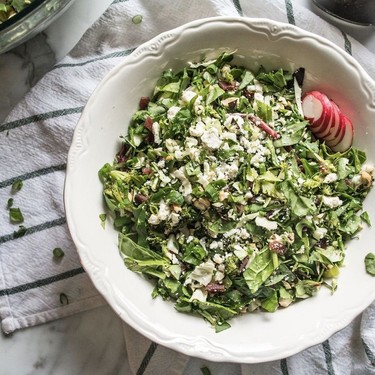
(354, 12)
(30, 21)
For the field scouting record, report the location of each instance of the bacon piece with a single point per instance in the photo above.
(259, 122)
(146, 170)
(226, 86)
(278, 247)
(143, 102)
(140, 198)
(148, 125)
(215, 288)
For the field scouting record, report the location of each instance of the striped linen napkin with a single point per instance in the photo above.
(35, 285)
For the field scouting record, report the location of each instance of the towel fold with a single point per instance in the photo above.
(35, 285)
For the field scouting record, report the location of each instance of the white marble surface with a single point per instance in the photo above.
(90, 342)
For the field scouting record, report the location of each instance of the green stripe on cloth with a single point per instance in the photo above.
(238, 7)
(328, 356)
(122, 53)
(41, 282)
(348, 45)
(34, 229)
(40, 117)
(33, 174)
(284, 367)
(290, 12)
(147, 358)
(370, 355)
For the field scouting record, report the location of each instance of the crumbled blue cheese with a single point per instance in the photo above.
(171, 145)
(211, 138)
(331, 202)
(156, 132)
(198, 129)
(186, 188)
(331, 177)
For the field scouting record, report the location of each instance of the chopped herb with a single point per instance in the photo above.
(15, 215)
(64, 299)
(224, 198)
(103, 218)
(58, 252)
(10, 203)
(205, 371)
(20, 232)
(137, 19)
(16, 186)
(370, 263)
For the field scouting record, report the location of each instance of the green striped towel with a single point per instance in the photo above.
(35, 287)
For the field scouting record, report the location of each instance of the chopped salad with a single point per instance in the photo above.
(9, 8)
(223, 196)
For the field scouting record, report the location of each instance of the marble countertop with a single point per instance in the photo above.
(90, 342)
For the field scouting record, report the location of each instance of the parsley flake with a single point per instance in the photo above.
(58, 252)
(16, 186)
(20, 232)
(15, 215)
(137, 19)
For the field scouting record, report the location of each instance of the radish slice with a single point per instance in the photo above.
(336, 126)
(312, 107)
(327, 122)
(317, 109)
(347, 140)
(333, 142)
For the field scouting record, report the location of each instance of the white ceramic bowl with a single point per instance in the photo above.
(255, 337)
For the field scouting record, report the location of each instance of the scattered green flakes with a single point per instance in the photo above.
(15, 215)
(205, 371)
(20, 232)
(370, 263)
(64, 300)
(103, 218)
(10, 203)
(137, 19)
(17, 186)
(58, 252)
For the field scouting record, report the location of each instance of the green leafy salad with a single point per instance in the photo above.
(9, 8)
(223, 197)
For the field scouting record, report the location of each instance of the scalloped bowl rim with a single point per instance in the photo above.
(187, 334)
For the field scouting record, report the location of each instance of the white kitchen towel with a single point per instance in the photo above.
(35, 286)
